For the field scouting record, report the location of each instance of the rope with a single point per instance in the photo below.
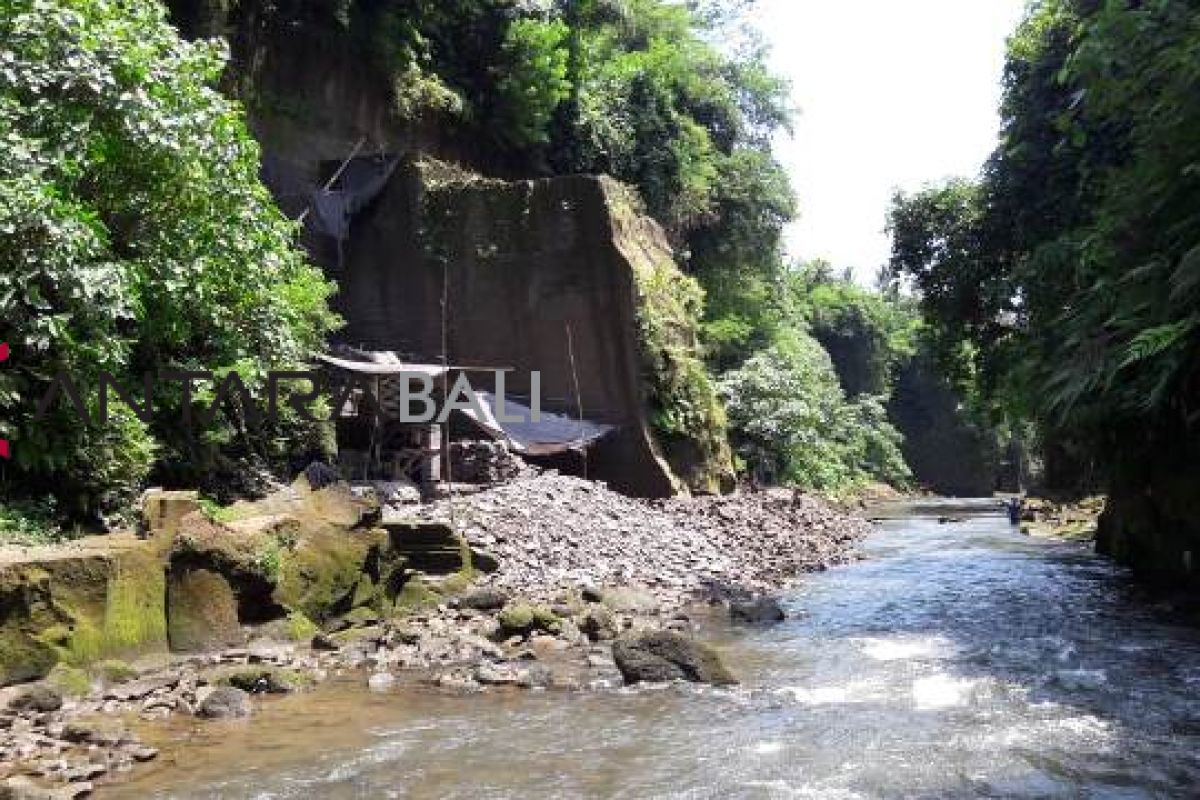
(578, 397)
(445, 425)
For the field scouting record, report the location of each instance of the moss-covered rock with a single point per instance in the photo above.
(202, 611)
(522, 619)
(114, 670)
(103, 599)
(23, 657)
(119, 596)
(257, 679)
(655, 656)
(358, 618)
(298, 568)
(415, 595)
(337, 505)
(456, 583)
(70, 681)
(300, 628)
(321, 575)
(685, 411)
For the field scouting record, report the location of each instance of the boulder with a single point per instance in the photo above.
(202, 611)
(757, 611)
(38, 697)
(522, 619)
(484, 599)
(657, 656)
(630, 600)
(323, 642)
(256, 679)
(598, 623)
(102, 732)
(69, 681)
(340, 506)
(326, 570)
(381, 681)
(103, 597)
(497, 674)
(225, 702)
(484, 560)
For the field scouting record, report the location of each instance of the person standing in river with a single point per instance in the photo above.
(1013, 506)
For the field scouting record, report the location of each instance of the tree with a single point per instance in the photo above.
(1067, 276)
(791, 422)
(134, 236)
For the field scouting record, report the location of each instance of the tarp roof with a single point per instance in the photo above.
(550, 434)
(385, 366)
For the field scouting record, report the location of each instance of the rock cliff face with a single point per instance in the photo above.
(551, 275)
(1152, 522)
(525, 264)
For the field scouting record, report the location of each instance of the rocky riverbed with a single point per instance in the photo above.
(576, 568)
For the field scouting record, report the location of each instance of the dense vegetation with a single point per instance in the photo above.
(1064, 284)
(799, 415)
(673, 98)
(134, 237)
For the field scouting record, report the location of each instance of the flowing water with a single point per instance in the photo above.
(957, 660)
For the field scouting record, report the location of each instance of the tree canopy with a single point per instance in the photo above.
(135, 236)
(1067, 279)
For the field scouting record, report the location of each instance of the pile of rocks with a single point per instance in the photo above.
(485, 462)
(44, 736)
(551, 531)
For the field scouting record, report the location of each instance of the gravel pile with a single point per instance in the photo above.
(484, 462)
(552, 531)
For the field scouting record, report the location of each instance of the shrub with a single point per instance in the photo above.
(134, 236)
(791, 422)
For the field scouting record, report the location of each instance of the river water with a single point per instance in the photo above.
(956, 660)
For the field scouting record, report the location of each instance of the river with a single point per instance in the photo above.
(955, 660)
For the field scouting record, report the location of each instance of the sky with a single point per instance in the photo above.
(890, 94)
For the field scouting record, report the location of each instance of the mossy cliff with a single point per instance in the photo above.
(282, 569)
(686, 413)
(80, 606)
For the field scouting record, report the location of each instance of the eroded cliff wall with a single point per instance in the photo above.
(551, 275)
